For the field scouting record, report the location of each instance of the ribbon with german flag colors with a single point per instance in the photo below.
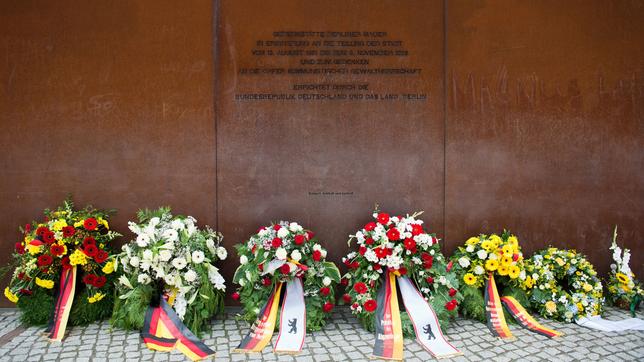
(494, 311)
(63, 305)
(525, 319)
(389, 337)
(164, 331)
(262, 329)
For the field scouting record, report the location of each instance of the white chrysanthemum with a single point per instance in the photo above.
(492, 256)
(282, 232)
(177, 225)
(145, 265)
(326, 281)
(165, 255)
(217, 280)
(222, 254)
(143, 279)
(170, 235)
(482, 254)
(179, 263)
(464, 262)
(198, 256)
(180, 306)
(371, 256)
(243, 259)
(296, 255)
(134, 261)
(143, 240)
(190, 276)
(281, 253)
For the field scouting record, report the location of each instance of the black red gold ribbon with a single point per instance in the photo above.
(389, 337)
(494, 311)
(164, 331)
(525, 319)
(62, 305)
(262, 329)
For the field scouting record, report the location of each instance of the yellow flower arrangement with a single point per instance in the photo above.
(44, 283)
(96, 297)
(33, 249)
(78, 258)
(108, 268)
(59, 224)
(12, 297)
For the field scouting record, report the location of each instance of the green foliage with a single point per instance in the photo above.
(83, 312)
(473, 304)
(129, 313)
(36, 308)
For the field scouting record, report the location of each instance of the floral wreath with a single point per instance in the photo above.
(170, 258)
(65, 238)
(402, 245)
(624, 290)
(279, 253)
(566, 285)
(495, 255)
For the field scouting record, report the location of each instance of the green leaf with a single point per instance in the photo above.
(331, 271)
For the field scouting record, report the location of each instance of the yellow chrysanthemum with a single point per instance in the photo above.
(488, 245)
(44, 283)
(587, 287)
(491, 264)
(59, 224)
(103, 222)
(551, 307)
(514, 271)
(580, 307)
(513, 241)
(503, 270)
(78, 258)
(529, 282)
(507, 250)
(108, 268)
(560, 261)
(472, 241)
(12, 297)
(33, 249)
(98, 296)
(506, 260)
(622, 278)
(469, 279)
(496, 240)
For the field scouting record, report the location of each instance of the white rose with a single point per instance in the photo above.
(165, 255)
(179, 263)
(142, 240)
(281, 253)
(198, 256)
(464, 262)
(317, 247)
(243, 259)
(479, 270)
(143, 279)
(282, 232)
(296, 255)
(295, 227)
(469, 248)
(323, 253)
(177, 225)
(154, 221)
(190, 276)
(222, 253)
(134, 261)
(482, 254)
(326, 281)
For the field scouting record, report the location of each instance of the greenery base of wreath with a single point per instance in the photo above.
(473, 304)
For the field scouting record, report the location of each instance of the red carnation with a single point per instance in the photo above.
(57, 249)
(235, 296)
(26, 292)
(21, 275)
(90, 279)
(376, 267)
(429, 280)
(370, 226)
(515, 257)
(428, 260)
(344, 281)
(277, 227)
(452, 292)
(49, 237)
(383, 218)
(368, 241)
(360, 288)
(41, 231)
(89, 241)
(402, 270)
(354, 265)
(309, 234)
(346, 298)
(317, 255)
(68, 231)
(101, 256)
(285, 269)
(65, 263)
(20, 249)
(325, 291)
(100, 281)
(44, 260)
(266, 282)
(90, 250)
(299, 239)
(370, 305)
(381, 252)
(260, 267)
(362, 250)
(328, 307)
(276, 242)
(410, 245)
(393, 234)
(416, 229)
(449, 266)
(450, 305)
(90, 223)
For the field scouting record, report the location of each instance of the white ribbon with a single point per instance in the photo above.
(292, 319)
(422, 316)
(597, 322)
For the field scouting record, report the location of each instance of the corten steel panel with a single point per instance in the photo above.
(272, 154)
(112, 102)
(544, 127)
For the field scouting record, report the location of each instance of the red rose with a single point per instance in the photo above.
(65, 263)
(41, 231)
(277, 227)
(68, 231)
(362, 250)
(299, 239)
(328, 307)
(309, 234)
(89, 241)
(393, 234)
(450, 305)
(370, 226)
(20, 249)
(276, 242)
(266, 282)
(402, 270)
(368, 241)
(376, 267)
(383, 218)
(428, 260)
(354, 265)
(285, 268)
(90, 279)
(449, 266)
(56, 249)
(317, 255)
(360, 287)
(260, 267)
(325, 291)
(100, 281)
(235, 296)
(515, 257)
(452, 292)
(346, 298)
(90, 250)
(260, 229)
(101, 256)
(416, 229)
(49, 237)
(44, 260)
(410, 245)
(370, 305)
(429, 280)
(344, 281)
(90, 223)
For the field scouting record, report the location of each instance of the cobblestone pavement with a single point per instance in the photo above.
(343, 339)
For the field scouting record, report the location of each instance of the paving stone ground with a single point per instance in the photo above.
(343, 339)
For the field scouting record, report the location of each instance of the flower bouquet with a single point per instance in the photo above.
(624, 290)
(396, 249)
(170, 259)
(284, 254)
(68, 252)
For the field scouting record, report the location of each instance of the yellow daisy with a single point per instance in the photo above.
(472, 241)
(622, 278)
(506, 260)
(491, 264)
(514, 271)
(469, 279)
(503, 270)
